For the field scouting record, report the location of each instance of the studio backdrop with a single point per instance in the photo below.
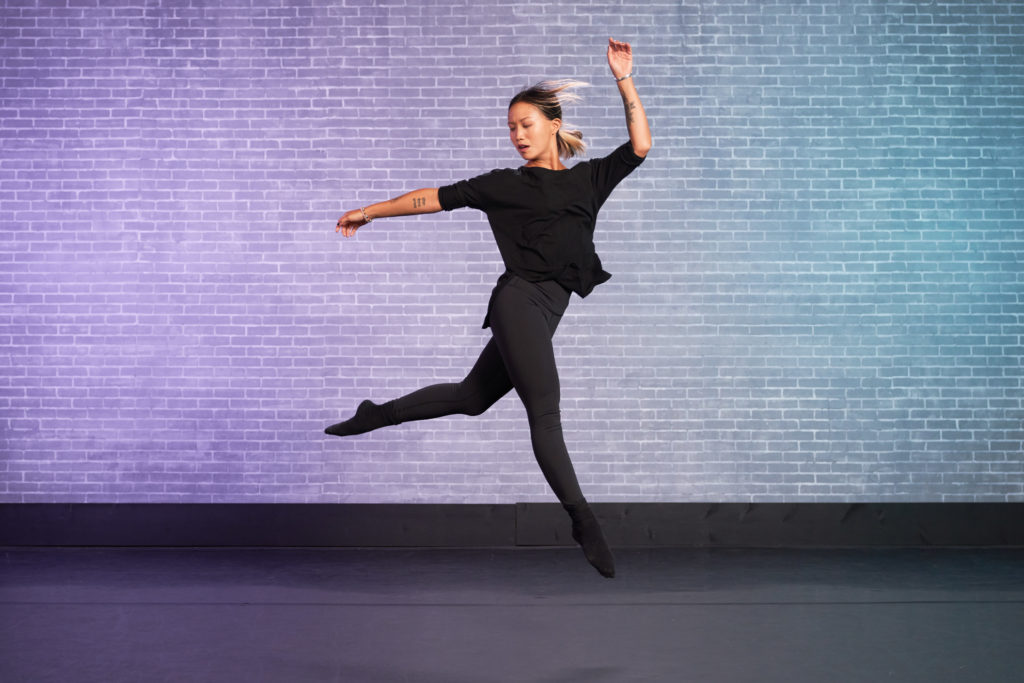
(817, 288)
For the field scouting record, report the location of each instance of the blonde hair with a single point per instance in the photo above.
(549, 96)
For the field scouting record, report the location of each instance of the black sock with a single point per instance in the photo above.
(586, 531)
(369, 416)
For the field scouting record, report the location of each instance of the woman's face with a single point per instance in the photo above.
(532, 133)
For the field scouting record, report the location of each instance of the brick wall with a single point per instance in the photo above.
(817, 290)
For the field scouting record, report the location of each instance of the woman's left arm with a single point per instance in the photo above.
(620, 59)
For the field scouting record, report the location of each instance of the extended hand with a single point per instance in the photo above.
(350, 222)
(620, 58)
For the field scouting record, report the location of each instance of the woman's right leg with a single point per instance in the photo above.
(483, 386)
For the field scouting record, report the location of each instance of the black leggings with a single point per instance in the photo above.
(523, 317)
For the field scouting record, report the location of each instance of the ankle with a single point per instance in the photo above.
(577, 506)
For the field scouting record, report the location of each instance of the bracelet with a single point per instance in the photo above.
(365, 217)
(629, 75)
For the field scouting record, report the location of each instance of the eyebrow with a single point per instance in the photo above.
(528, 116)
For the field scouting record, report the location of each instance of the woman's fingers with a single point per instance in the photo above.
(619, 53)
(349, 223)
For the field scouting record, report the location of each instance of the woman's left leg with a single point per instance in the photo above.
(522, 324)
(523, 321)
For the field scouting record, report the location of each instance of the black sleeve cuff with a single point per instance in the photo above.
(629, 156)
(448, 197)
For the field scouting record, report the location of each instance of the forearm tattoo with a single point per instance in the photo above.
(417, 202)
(629, 106)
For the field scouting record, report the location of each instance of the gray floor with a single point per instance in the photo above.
(453, 616)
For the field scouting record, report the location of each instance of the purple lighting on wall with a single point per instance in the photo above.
(817, 273)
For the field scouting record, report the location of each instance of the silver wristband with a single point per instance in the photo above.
(629, 75)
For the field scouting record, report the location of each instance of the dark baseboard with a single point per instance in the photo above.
(703, 525)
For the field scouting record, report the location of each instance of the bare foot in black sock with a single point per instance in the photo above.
(586, 531)
(369, 416)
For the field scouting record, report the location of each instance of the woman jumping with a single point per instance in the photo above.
(542, 215)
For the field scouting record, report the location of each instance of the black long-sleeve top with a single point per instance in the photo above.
(543, 220)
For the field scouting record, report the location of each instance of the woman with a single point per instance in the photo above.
(542, 215)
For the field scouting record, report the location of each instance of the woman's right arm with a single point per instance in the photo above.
(409, 204)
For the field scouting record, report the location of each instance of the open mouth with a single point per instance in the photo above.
(522, 148)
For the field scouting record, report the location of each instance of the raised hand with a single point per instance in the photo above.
(620, 58)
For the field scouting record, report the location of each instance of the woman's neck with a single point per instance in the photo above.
(550, 161)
